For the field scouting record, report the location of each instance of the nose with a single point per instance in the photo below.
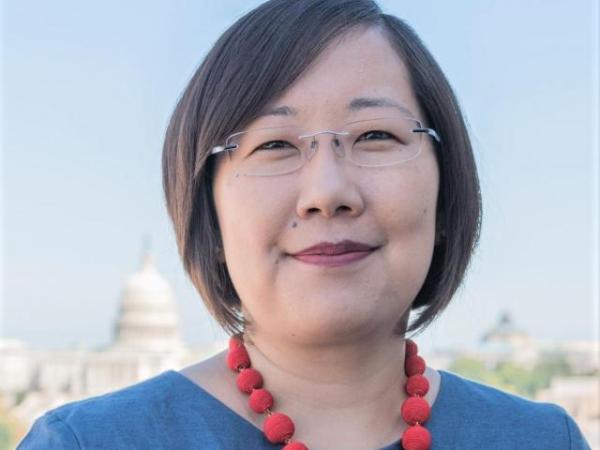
(328, 185)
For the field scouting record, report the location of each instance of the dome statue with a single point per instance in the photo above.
(148, 318)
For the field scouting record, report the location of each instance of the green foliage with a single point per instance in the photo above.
(7, 432)
(20, 397)
(5, 437)
(470, 368)
(12, 430)
(511, 377)
(521, 381)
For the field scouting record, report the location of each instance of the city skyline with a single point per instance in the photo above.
(85, 111)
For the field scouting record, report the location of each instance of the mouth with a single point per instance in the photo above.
(333, 260)
(331, 248)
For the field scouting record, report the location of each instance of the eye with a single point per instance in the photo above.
(375, 135)
(274, 145)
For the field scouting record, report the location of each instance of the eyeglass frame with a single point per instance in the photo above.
(420, 129)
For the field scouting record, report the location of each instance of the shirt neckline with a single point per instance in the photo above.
(199, 390)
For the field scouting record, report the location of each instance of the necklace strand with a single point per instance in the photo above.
(279, 428)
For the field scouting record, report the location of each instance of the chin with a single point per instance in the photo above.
(326, 329)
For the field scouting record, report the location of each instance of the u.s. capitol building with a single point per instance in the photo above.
(146, 341)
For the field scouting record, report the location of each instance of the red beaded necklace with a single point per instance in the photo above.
(279, 428)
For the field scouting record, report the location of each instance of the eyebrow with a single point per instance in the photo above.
(356, 104)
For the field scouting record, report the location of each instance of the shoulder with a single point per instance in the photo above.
(144, 397)
(509, 417)
(49, 431)
(480, 398)
(125, 412)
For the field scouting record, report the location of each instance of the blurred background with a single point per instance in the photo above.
(94, 296)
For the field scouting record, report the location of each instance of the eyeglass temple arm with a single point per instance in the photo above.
(430, 131)
(222, 148)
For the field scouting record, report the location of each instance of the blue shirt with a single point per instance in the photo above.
(171, 412)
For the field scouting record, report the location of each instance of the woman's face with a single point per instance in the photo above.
(264, 219)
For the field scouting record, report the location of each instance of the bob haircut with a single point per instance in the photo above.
(250, 65)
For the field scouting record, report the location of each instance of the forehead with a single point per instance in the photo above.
(356, 72)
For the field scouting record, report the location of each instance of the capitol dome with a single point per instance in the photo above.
(148, 318)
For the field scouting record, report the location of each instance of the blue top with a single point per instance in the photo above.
(171, 412)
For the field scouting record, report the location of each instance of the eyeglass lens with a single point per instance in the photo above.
(367, 143)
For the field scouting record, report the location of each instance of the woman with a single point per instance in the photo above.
(322, 186)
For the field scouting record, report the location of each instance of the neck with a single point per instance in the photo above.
(359, 383)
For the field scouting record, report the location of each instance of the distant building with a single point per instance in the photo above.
(146, 341)
(506, 342)
(579, 394)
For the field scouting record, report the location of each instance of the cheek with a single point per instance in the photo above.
(408, 216)
(406, 202)
(251, 216)
(251, 213)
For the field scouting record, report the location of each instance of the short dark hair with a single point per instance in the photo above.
(250, 65)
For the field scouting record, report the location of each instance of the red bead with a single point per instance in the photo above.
(237, 358)
(415, 409)
(235, 341)
(278, 427)
(414, 365)
(416, 438)
(249, 379)
(296, 445)
(260, 400)
(411, 348)
(417, 385)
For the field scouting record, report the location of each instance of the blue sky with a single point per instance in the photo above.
(87, 93)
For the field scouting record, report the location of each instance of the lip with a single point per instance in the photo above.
(330, 254)
(340, 259)
(331, 249)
